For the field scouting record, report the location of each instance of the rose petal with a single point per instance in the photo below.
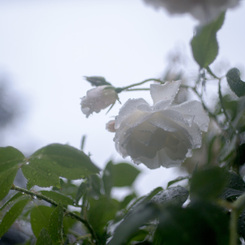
(129, 110)
(195, 109)
(165, 92)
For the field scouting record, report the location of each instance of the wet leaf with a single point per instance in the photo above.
(118, 175)
(12, 214)
(10, 161)
(101, 212)
(175, 195)
(204, 44)
(178, 179)
(132, 223)
(208, 183)
(40, 218)
(201, 223)
(235, 82)
(56, 160)
(44, 238)
(58, 198)
(56, 225)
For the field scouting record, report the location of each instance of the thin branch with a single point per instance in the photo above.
(212, 74)
(52, 202)
(119, 90)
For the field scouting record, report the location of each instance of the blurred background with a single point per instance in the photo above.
(48, 46)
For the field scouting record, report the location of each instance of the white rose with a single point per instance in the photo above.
(203, 10)
(97, 99)
(162, 134)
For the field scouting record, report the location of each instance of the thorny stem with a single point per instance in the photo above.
(221, 97)
(233, 227)
(212, 74)
(119, 90)
(234, 215)
(52, 202)
(212, 115)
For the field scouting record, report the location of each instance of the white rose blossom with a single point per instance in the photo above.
(162, 134)
(97, 99)
(203, 10)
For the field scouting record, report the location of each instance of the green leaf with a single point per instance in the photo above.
(204, 44)
(132, 223)
(235, 187)
(68, 223)
(118, 175)
(12, 215)
(97, 81)
(144, 199)
(235, 181)
(44, 238)
(11, 201)
(58, 198)
(56, 160)
(235, 82)
(208, 183)
(200, 224)
(41, 172)
(108, 178)
(56, 225)
(178, 179)
(127, 200)
(10, 161)
(81, 191)
(40, 216)
(124, 174)
(175, 195)
(101, 212)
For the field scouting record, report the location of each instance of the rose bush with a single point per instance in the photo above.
(97, 99)
(162, 134)
(203, 10)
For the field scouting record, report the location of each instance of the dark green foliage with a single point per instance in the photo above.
(131, 224)
(208, 183)
(235, 82)
(201, 223)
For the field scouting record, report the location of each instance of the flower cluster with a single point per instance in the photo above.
(203, 10)
(163, 134)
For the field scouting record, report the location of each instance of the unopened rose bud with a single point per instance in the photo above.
(97, 99)
(110, 126)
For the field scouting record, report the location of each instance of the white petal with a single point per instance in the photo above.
(165, 92)
(129, 110)
(194, 108)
